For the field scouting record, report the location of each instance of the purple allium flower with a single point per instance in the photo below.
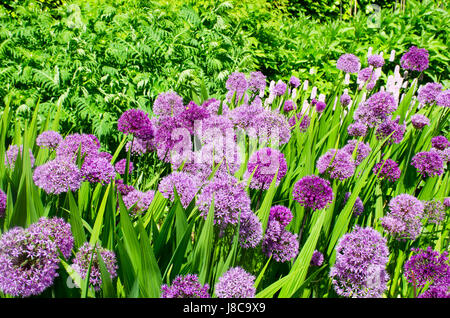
(236, 84)
(121, 165)
(419, 121)
(360, 267)
(389, 170)
(444, 154)
(216, 128)
(235, 283)
(172, 139)
(428, 163)
(366, 74)
(388, 127)
(49, 139)
(357, 129)
(186, 286)
(84, 144)
(271, 126)
(440, 142)
(358, 207)
(58, 230)
(244, 116)
(381, 104)
(230, 199)
(257, 82)
(337, 164)
(168, 104)
(83, 258)
(190, 115)
(428, 266)
(57, 176)
(404, 219)
(12, 153)
(294, 81)
(3, 199)
(320, 106)
(288, 106)
(434, 211)
(317, 258)
(415, 59)
(123, 188)
(185, 184)
(138, 146)
(428, 93)
(313, 192)
(138, 201)
(375, 60)
(281, 214)
(436, 292)
(280, 88)
(282, 245)
(443, 98)
(362, 150)
(250, 230)
(29, 261)
(348, 63)
(105, 155)
(303, 125)
(446, 202)
(345, 100)
(97, 169)
(264, 164)
(136, 121)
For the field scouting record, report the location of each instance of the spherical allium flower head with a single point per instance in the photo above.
(388, 127)
(121, 165)
(357, 129)
(381, 104)
(139, 146)
(190, 115)
(280, 214)
(313, 192)
(83, 258)
(186, 286)
(250, 230)
(336, 164)
(404, 219)
(320, 106)
(387, 169)
(366, 74)
(244, 116)
(57, 176)
(348, 63)
(49, 139)
(294, 82)
(434, 211)
(282, 245)
(230, 199)
(358, 207)
(3, 199)
(446, 202)
(74, 144)
(264, 164)
(303, 120)
(428, 163)
(428, 266)
(280, 88)
(428, 93)
(171, 139)
(415, 59)
(123, 188)
(236, 84)
(29, 261)
(288, 106)
(235, 283)
(440, 142)
(271, 126)
(257, 82)
(105, 155)
(360, 267)
(58, 230)
(12, 153)
(443, 98)
(361, 149)
(375, 60)
(317, 258)
(185, 184)
(216, 129)
(97, 169)
(419, 121)
(212, 105)
(168, 104)
(436, 292)
(138, 201)
(345, 100)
